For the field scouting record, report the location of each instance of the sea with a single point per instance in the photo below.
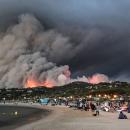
(12, 117)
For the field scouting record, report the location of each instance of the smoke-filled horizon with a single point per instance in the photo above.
(76, 38)
(29, 54)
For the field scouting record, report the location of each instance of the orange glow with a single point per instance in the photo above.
(98, 78)
(31, 83)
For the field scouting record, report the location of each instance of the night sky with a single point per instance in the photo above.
(99, 31)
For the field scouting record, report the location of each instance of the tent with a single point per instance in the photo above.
(44, 101)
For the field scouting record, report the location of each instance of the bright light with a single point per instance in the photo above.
(99, 95)
(90, 96)
(71, 97)
(105, 95)
(16, 113)
(115, 96)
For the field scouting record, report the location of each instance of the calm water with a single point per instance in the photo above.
(14, 116)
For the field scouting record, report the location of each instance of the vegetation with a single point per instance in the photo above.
(75, 89)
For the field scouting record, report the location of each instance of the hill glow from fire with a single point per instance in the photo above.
(31, 83)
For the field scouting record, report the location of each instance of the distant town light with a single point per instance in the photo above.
(99, 95)
(113, 99)
(71, 97)
(105, 95)
(115, 96)
(90, 96)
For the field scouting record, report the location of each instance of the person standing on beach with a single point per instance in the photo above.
(97, 109)
(87, 106)
(93, 107)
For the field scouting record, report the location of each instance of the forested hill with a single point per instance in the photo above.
(75, 89)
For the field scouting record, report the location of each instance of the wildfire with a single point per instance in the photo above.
(62, 79)
(31, 83)
(98, 78)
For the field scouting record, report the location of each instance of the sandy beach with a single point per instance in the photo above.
(63, 118)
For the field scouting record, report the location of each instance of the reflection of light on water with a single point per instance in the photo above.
(16, 113)
(3, 113)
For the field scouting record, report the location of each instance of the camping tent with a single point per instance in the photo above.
(44, 101)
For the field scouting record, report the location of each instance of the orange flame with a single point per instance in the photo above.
(98, 78)
(31, 83)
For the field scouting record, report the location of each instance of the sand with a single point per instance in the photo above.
(63, 118)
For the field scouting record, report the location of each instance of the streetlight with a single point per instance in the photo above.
(90, 96)
(105, 95)
(115, 96)
(99, 95)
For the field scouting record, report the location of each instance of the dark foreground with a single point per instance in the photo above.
(12, 117)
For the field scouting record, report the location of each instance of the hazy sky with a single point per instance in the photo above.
(103, 12)
(99, 28)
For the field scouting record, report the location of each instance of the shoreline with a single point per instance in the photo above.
(55, 113)
(63, 118)
(26, 114)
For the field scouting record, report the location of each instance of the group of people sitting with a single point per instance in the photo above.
(87, 106)
(122, 116)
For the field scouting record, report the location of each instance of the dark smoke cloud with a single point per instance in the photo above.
(27, 52)
(97, 33)
(84, 12)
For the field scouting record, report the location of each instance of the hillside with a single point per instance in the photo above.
(75, 89)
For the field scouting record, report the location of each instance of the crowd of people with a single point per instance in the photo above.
(83, 104)
(86, 105)
(95, 107)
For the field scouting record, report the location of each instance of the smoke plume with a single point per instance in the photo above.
(26, 53)
(29, 53)
(94, 79)
(89, 36)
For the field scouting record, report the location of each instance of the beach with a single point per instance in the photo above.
(63, 118)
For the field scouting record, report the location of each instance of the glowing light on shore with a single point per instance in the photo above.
(99, 95)
(90, 96)
(115, 96)
(105, 95)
